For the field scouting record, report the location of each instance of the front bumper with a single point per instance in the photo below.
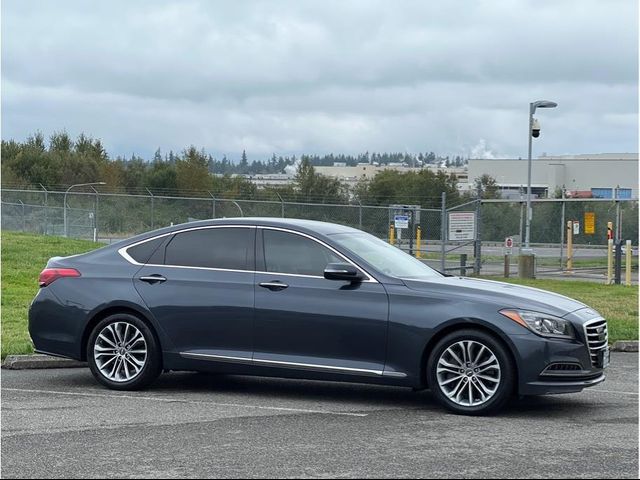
(537, 354)
(565, 385)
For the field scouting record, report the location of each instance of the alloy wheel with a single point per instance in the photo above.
(120, 352)
(468, 373)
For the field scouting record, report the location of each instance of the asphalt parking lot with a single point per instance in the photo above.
(59, 423)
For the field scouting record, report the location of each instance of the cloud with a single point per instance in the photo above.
(314, 77)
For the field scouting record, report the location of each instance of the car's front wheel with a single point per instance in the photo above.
(123, 353)
(470, 372)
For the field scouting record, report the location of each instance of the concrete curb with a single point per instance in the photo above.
(625, 346)
(31, 362)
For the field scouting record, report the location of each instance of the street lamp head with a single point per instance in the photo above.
(542, 104)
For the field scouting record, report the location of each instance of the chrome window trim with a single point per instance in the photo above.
(370, 278)
(123, 252)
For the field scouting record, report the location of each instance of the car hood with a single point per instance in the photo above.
(503, 295)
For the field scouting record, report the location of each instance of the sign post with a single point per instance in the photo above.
(508, 248)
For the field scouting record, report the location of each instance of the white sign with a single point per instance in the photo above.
(576, 228)
(401, 221)
(462, 225)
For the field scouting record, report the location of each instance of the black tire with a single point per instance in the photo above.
(153, 363)
(507, 373)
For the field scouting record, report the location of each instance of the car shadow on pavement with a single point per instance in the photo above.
(367, 395)
(334, 394)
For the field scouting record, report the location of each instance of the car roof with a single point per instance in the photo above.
(325, 228)
(305, 226)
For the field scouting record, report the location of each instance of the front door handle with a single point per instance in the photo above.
(274, 286)
(153, 279)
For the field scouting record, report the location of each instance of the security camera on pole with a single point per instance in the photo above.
(527, 259)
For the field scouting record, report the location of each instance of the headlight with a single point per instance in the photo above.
(541, 323)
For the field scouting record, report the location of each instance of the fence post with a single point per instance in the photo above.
(562, 223)
(281, 205)
(46, 207)
(359, 215)
(569, 246)
(521, 224)
(213, 204)
(24, 219)
(478, 240)
(95, 215)
(618, 220)
(627, 279)
(443, 232)
(152, 209)
(609, 260)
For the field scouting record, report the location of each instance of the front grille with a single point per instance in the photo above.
(597, 337)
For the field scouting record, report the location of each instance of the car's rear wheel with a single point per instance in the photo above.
(470, 372)
(123, 353)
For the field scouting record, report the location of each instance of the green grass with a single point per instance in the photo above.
(25, 255)
(617, 303)
(23, 258)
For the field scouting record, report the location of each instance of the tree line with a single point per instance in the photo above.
(62, 161)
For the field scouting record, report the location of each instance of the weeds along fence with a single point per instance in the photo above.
(108, 217)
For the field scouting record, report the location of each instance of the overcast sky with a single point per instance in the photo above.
(453, 77)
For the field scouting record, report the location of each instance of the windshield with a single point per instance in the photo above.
(384, 257)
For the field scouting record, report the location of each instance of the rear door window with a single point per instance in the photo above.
(226, 248)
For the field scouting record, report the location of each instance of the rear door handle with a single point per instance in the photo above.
(153, 279)
(274, 286)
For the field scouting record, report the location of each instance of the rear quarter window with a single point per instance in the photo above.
(142, 253)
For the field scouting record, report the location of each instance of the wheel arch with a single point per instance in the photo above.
(100, 315)
(467, 324)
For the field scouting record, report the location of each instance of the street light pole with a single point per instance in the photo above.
(532, 110)
(64, 202)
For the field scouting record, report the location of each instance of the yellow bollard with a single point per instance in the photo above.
(392, 236)
(570, 246)
(627, 280)
(418, 242)
(609, 261)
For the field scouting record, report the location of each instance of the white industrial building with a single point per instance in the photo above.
(366, 171)
(589, 175)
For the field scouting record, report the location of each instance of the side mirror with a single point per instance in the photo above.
(343, 271)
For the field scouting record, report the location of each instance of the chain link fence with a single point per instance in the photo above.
(109, 217)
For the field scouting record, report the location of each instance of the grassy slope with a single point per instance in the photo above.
(23, 258)
(25, 255)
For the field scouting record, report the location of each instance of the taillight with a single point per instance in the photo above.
(49, 275)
